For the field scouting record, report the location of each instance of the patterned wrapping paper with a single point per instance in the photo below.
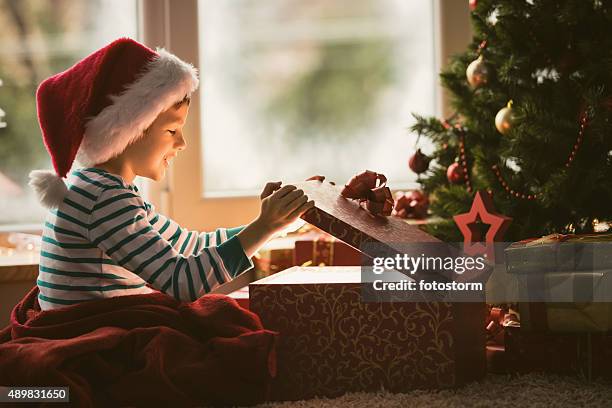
(331, 342)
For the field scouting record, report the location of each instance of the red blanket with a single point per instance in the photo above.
(141, 350)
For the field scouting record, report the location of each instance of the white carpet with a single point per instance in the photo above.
(496, 391)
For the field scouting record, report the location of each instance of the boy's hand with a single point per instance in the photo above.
(282, 207)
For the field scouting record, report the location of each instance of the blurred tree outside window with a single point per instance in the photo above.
(294, 88)
(40, 38)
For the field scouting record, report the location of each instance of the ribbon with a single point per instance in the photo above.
(370, 189)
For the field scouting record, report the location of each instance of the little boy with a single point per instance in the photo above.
(120, 113)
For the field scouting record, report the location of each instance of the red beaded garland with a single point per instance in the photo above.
(510, 191)
(568, 163)
(572, 155)
(463, 161)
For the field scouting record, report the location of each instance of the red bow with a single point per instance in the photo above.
(363, 187)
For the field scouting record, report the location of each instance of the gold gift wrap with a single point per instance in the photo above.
(571, 302)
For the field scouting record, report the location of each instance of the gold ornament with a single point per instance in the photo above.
(477, 72)
(504, 118)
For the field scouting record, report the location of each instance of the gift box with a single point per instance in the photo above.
(332, 341)
(325, 250)
(275, 256)
(562, 282)
(279, 253)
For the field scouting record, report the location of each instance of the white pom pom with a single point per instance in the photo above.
(49, 187)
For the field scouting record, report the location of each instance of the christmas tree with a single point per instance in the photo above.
(533, 102)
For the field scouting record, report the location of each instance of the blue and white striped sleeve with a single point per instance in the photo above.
(183, 240)
(184, 264)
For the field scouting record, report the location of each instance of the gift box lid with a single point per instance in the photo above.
(347, 221)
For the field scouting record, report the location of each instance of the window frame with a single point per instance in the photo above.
(174, 26)
(36, 227)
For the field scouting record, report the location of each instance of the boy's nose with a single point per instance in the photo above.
(180, 143)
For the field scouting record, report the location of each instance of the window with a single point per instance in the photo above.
(40, 38)
(293, 88)
(191, 193)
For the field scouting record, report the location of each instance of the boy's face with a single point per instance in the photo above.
(150, 155)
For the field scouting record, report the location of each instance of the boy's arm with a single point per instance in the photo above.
(187, 242)
(121, 228)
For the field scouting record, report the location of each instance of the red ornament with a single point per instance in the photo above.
(418, 162)
(484, 212)
(455, 174)
(473, 4)
(413, 204)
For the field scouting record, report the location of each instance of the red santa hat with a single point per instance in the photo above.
(92, 111)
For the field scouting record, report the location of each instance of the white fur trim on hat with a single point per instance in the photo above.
(49, 187)
(166, 81)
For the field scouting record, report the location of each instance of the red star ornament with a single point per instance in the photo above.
(484, 211)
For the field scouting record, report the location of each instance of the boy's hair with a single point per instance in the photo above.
(186, 99)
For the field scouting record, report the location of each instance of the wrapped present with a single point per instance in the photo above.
(279, 253)
(332, 342)
(325, 250)
(275, 256)
(564, 282)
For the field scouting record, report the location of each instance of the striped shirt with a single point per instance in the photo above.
(104, 241)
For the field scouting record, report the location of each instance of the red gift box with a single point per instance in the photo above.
(279, 253)
(332, 342)
(325, 250)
